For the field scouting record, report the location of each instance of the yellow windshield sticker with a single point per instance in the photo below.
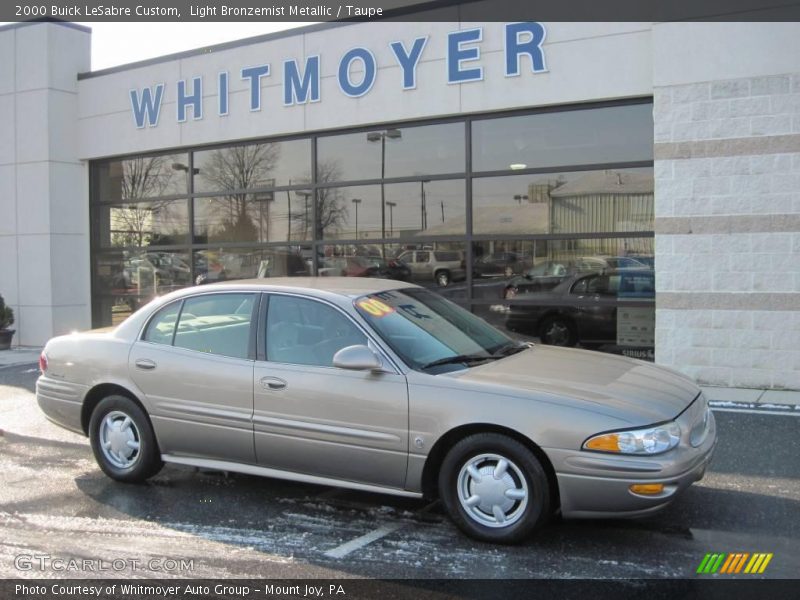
(375, 307)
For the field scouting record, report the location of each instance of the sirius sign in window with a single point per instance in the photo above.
(357, 73)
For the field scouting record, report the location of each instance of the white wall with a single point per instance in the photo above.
(44, 219)
(586, 61)
(727, 131)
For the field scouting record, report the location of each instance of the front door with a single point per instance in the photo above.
(311, 417)
(198, 377)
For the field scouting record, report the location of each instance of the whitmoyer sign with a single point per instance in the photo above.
(357, 73)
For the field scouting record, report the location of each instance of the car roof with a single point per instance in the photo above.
(345, 286)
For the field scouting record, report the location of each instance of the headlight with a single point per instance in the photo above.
(650, 440)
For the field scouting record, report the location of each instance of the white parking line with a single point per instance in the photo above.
(360, 542)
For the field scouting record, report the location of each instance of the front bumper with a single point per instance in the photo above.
(596, 485)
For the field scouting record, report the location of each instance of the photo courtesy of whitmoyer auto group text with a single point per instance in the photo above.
(399, 299)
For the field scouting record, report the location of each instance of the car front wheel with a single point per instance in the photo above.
(556, 331)
(494, 488)
(443, 278)
(123, 441)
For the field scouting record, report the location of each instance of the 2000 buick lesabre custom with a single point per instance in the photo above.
(380, 386)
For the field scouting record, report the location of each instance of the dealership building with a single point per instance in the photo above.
(655, 164)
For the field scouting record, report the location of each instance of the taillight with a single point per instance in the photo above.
(42, 362)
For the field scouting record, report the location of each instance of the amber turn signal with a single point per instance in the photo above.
(647, 489)
(605, 443)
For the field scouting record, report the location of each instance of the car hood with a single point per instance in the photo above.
(630, 390)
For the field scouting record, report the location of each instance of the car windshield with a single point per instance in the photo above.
(423, 328)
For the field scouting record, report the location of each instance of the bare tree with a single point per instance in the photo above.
(146, 223)
(146, 177)
(142, 178)
(232, 171)
(332, 211)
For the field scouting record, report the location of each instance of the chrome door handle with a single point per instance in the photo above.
(145, 363)
(273, 383)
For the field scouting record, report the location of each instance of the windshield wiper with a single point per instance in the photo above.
(459, 358)
(509, 349)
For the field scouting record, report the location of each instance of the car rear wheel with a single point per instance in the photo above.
(556, 331)
(494, 488)
(443, 278)
(123, 441)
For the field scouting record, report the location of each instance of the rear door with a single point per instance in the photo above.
(198, 376)
(311, 417)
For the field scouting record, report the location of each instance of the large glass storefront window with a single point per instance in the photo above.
(410, 210)
(557, 203)
(614, 134)
(391, 152)
(275, 216)
(539, 221)
(251, 166)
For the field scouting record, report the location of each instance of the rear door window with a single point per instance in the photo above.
(162, 325)
(217, 324)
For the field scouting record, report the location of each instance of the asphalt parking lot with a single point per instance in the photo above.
(55, 502)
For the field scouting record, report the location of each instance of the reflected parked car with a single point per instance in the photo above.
(599, 263)
(365, 266)
(384, 387)
(582, 308)
(441, 266)
(544, 276)
(500, 264)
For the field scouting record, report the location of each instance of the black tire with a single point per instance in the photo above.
(442, 277)
(524, 471)
(142, 462)
(557, 331)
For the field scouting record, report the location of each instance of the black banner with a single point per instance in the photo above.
(419, 589)
(402, 10)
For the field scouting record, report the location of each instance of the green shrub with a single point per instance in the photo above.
(6, 315)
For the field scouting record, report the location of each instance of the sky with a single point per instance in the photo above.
(120, 43)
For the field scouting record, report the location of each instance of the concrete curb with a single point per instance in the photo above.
(762, 398)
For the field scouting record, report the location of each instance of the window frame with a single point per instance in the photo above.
(251, 340)
(102, 298)
(153, 317)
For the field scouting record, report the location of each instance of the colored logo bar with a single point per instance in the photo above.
(733, 563)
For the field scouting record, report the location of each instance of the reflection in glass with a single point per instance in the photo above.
(414, 209)
(575, 137)
(592, 293)
(134, 277)
(406, 152)
(439, 266)
(228, 264)
(140, 177)
(252, 166)
(578, 202)
(257, 217)
(140, 224)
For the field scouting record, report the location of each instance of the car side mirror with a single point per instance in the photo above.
(357, 358)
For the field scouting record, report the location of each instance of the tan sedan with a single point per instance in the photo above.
(379, 386)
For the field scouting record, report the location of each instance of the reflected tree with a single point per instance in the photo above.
(135, 224)
(233, 170)
(332, 211)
